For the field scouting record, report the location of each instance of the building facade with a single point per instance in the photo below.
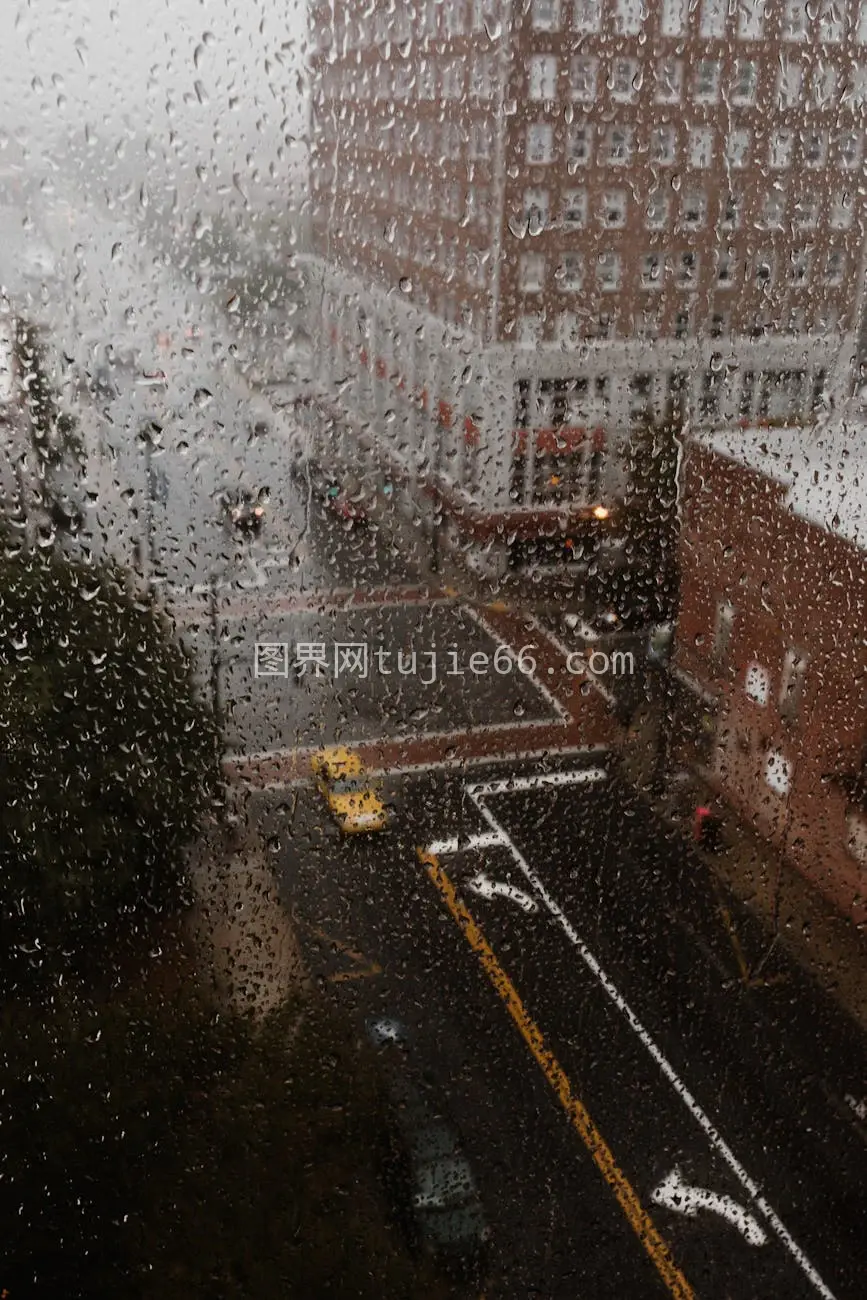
(536, 223)
(770, 651)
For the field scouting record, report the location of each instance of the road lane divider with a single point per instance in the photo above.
(477, 793)
(627, 1198)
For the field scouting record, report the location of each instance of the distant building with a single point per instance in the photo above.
(538, 222)
(771, 654)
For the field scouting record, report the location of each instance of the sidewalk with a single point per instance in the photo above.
(793, 913)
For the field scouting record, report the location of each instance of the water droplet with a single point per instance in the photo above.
(405, 284)
(234, 303)
(202, 398)
(390, 230)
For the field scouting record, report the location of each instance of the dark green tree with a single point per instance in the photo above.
(156, 1151)
(648, 584)
(54, 432)
(107, 760)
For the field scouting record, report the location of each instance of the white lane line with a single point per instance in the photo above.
(489, 840)
(565, 651)
(560, 709)
(437, 765)
(707, 1126)
(512, 784)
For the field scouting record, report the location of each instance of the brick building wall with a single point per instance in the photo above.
(772, 621)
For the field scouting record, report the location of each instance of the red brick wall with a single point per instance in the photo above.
(792, 585)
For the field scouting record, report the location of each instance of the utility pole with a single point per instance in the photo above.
(436, 498)
(216, 683)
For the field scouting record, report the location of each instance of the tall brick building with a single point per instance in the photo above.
(535, 222)
(770, 646)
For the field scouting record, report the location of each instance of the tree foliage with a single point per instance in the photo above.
(157, 1152)
(106, 757)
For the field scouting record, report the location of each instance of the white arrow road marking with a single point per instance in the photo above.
(514, 784)
(677, 1195)
(487, 888)
(478, 793)
(488, 840)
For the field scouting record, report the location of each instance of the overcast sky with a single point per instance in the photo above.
(208, 80)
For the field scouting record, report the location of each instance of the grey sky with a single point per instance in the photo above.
(205, 79)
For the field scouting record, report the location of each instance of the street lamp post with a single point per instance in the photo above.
(435, 529)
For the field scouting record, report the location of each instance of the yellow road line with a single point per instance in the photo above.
(638, 1218)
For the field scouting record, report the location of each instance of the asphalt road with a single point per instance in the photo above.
(608, 1067)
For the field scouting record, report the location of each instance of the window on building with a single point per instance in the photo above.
(570, 273)
(652, 270)
(455, 16)
(834, 267)
(574, 209)
(536, 209)
(608, 272)
(532, 272)
(815, 148)
(603, 327)
(746, 80)
(799, 268)
(792, 684)
(782, 145)
(825, 78)
(763, 267)
(856, 836)
(542, 76)
(751, 20)
(687, 270)
(587, 15)
(711, 390)
(778, 773)
(662, 145)
(806, 212)
(707, 79)
(613, 209)
(681, 323)
(712, 25)
(725, 270)
(640, 396)
(849, 149)
(773, 210)
(580, 144)
(693, 210)
(724, 621)
(669, 81)
(842, 210)
(832, 21)
(585, 70)
(621, 80)
(540, 142)
(795, 321)
(453, 79)
(731, 218)
(701, 146)
(657, 210)
(719, 326)
(738, 148)
(675, 14)
(619, 145)
(790, 78)
(545, 15)
(629, 16)
(794, 20)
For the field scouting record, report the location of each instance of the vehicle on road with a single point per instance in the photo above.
(426, 1170)
(349, 791)
(347, 499)
(246, 511)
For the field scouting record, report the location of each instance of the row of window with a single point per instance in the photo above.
(656, 269)
(677, 79)
(423, 80)
(413, 20)
(613, 212)
(617, 146)
(828, 21)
